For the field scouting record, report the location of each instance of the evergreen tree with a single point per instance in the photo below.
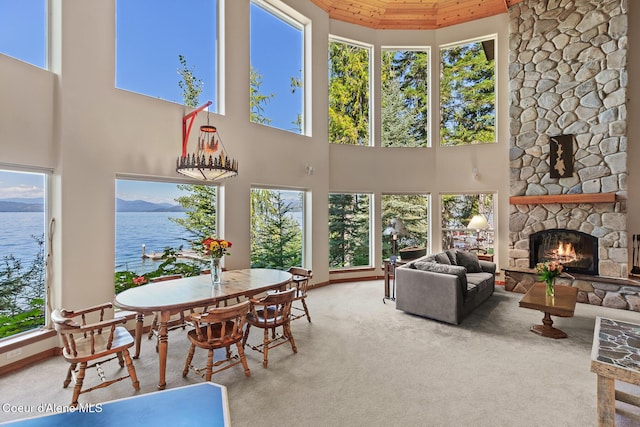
(397, 120)
(276, 237)
(257, 101)
(191, 86)
(348, 230)
(200, 216)
(348, 94)
(467, 96)
(412, 70)
(412, 210)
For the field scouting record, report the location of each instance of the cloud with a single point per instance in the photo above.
(21, 191)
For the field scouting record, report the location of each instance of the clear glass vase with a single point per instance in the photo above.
(550, 291)
(216, 271)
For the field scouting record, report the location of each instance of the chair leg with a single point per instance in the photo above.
(243, 359)
(120, 359)
(246, 335)
(192, 350)
(154, 325)
(306, 310)
(78, 387)
(67, 380)
(209, 365)
(265, 360)
(131, 369)
(288, 334)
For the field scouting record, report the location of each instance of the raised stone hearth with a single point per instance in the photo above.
(622, 294)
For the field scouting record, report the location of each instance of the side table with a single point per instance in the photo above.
(390, 273)
(614, 357)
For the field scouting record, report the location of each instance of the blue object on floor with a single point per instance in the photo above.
(194, 405)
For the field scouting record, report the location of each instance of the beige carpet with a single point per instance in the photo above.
(364, 363)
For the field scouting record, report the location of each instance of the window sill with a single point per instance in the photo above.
(25, 338)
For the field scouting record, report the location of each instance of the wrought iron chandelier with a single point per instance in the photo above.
(210, 161)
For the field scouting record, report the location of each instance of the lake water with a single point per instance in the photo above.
(133, 229)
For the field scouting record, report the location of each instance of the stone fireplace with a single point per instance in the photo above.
(568, 85)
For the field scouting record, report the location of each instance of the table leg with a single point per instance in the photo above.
(547, 329)
(163, 345)
(139, 325)
(606, 402)
(386, 281)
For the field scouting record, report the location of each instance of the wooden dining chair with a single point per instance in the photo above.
(300, 279)
(88, 345)
(179, 320)
(269, 313)
(218, 328)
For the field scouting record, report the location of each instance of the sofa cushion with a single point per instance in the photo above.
(442, 258)
(468, 260)
(456, 270)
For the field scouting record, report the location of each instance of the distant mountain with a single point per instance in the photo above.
(10, 205)
(144, 206)
(36, 205)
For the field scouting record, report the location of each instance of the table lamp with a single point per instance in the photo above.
(478, 223)
(396, 228)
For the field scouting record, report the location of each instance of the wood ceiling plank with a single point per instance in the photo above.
(412, 14)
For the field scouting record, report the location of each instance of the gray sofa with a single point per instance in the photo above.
(446, 286)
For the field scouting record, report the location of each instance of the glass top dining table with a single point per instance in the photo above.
(172, 296)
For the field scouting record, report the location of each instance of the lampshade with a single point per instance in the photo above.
(478, 222)
(396, 227)
(209, 162)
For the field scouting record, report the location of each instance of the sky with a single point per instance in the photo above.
(150, 34)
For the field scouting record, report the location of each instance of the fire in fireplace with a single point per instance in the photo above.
(576, 251)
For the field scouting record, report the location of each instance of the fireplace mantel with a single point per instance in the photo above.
(563, 198)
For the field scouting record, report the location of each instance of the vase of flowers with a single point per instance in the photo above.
(216, 249)
(548, 272)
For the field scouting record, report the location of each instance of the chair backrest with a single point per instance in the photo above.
(72, 325)
(223, 324)
(274, 309)
(301, 278)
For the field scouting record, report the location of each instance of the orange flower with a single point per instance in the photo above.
(216, 247)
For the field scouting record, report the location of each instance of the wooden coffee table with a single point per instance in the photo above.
(562, 304)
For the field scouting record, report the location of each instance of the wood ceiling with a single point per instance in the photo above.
(412, 14)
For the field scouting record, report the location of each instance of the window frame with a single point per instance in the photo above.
(489, 37)
(43, 331)
(370, 116)
(295, 19)
(430, 110)
(303, 218)
(370, 231)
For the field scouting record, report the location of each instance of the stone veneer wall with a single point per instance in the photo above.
(568, 75)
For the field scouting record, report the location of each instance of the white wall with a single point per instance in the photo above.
(74, 121)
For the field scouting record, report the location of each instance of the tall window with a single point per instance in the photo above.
(413, 211)
(23, 30)
(457, 212)
(277, 68)
(405, 98)
(159, 228)
(168, 49)
(349, 93)
(467, 93)
(349, 230)
(276, 228)
(23, 243)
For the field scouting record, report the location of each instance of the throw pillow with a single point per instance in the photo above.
(469, 260)
(442, 258)
(451, 253)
